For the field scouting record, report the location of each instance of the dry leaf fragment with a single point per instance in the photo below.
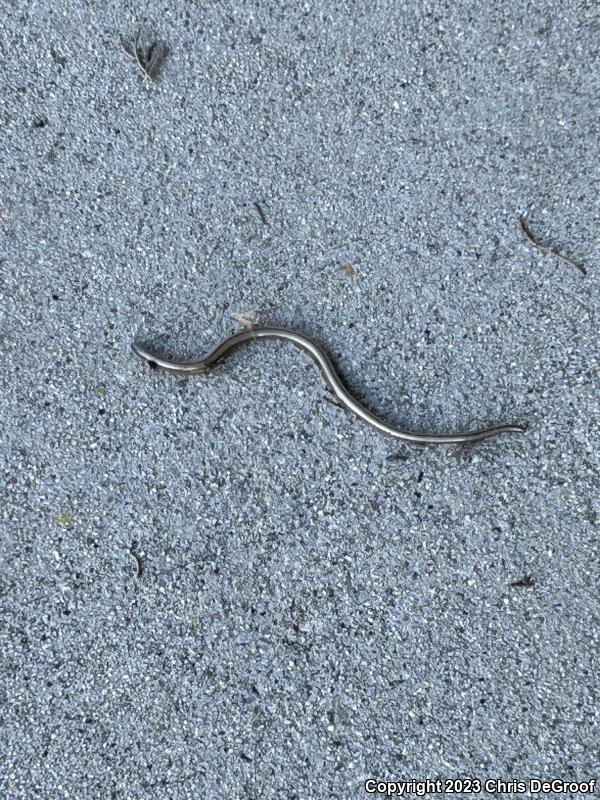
(245, 318)
(149, 57)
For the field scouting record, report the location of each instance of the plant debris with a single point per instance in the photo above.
(137, 560)
(546, 249)
(526, 582)
(348, 269)
(148, 57)
(64, 520)
(246, 319)
(333, 401)
(399, 456)
(261, 213)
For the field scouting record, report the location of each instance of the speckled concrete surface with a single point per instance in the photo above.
(317, 604)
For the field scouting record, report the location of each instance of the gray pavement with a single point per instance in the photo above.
(317, 604)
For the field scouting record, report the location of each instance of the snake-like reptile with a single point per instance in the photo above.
(322, 360)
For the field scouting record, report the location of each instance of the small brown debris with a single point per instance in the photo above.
(348, 269)
(546, 249)
(149, 58)
(526, 582)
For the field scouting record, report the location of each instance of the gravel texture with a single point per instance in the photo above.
(317, 604)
